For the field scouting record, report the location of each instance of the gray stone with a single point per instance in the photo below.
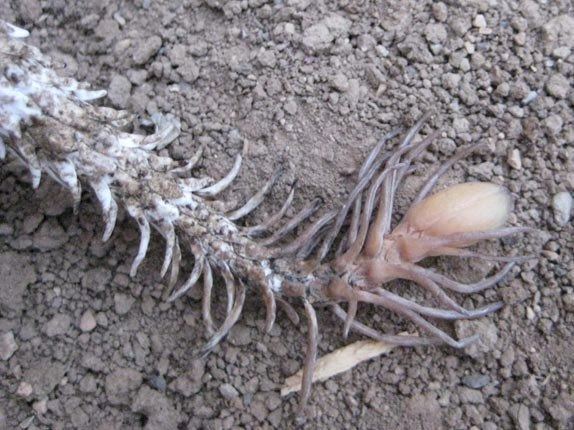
(562, 207)
(43, 375)
(120, 383)
(476, 381)
(8, 345)
(88, 321)
(340, 82)
(317, 37)
(16, 273)
(97, 279)
(189, 70)
(50, 236)
(521, 416)
(123, 303)
(266, 58)
(58, 325)
(468, 395)
(228, 391)
(558, 86)
(119, 91)
(146, 49)
(435, 33)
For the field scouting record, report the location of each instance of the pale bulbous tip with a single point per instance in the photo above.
(463, 208)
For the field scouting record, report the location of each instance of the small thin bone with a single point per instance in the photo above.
(392, 339)
(339, 361)
(273, 219)
(168, 231)
(367, 297)
(190, 164)
(193, 277)
(175, 263)
(218, 187)
(229, 321)
(311, 354)
(206, 300)
(229, 286)
(289, 310)
(435, 312)
(301, 216)
(108, 205)
(468, 288)
(167, 129)
(306, 237)
(143, 223)
(270, 307)
(256, 200)
(65, 174)
(351, 314)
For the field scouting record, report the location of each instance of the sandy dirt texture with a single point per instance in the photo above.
(83, 346)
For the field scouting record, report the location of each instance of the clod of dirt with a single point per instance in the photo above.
(120, 384)
(16, 273)
(158, 410)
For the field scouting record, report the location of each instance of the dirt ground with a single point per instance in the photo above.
(83, 346)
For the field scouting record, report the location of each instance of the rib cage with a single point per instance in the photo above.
(47, 124)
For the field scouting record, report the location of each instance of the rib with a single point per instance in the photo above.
(143, 224)
(387, 338)
(417, 319)
(221, 185)
(168, 232)
(193, 277)
(468, 288)
(434, 312)
(303, 214)
(411, 272)
(311, 354)
(273, 219)
(229, 286)
(442, 169)
(351, 314)
(256, 200)
(190, 164)
(463, 253)
(305, 238)
(342, 214)
(270, 307)
(64, 173)
(108, 204)
(206, 299)
(289, 310)
(463, 239)
(175, 263)
(381, 225)
(229, 321)
(355, 248)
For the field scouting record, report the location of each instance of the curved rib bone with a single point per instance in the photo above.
(218, 187)
(229, 321)
(193, 277)
(269, 222)
(206, 299)
(311, 354)
(139, 215)
(108, 204)
(256, 200)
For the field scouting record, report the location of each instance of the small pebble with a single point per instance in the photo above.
(8, 345)
(562, 206)
(228, 391)
(514, 160)
(88, 321)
